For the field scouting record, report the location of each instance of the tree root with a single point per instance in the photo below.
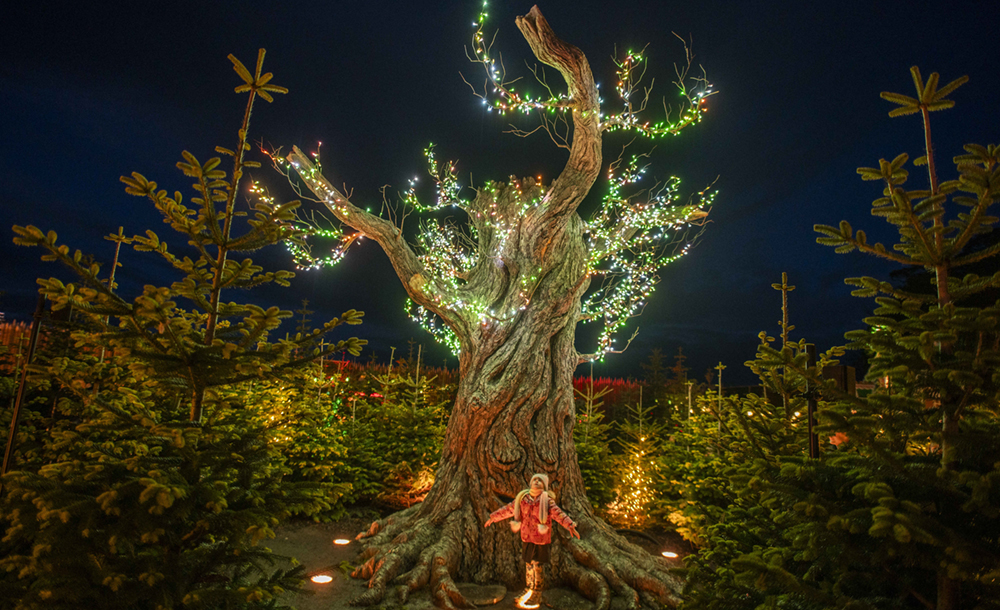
(604, 565)
(408, 539)
(412, 549)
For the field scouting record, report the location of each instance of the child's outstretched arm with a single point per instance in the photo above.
(505, 512)
(563, 519)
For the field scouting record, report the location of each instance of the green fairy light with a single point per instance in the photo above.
(628, 239)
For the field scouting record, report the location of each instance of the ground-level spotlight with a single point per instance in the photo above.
(321, 579)
(670, 554)
(341, 541)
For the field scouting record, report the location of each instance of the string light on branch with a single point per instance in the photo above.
(446, 182)
(505, 98)
(630, 71)
(455, 261)
(629, 240)
(502, 96)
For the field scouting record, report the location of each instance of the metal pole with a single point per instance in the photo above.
(8, 456)
(811, 415)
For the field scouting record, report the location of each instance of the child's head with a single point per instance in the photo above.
(543, 479)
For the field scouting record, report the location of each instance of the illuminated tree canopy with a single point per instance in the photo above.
(504, 282)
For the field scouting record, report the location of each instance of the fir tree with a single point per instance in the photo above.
(640, 441)
(164, 471)
(937, 362)
(593, 451)
(901, 509)
(655, 383)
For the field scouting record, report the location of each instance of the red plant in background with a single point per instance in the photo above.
(620, 388)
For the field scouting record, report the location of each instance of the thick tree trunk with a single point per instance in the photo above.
(515, 314)
(514, 416)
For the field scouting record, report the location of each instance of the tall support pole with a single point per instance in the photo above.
(813, 437)
(720, 367)
(119, 238)
(8, 456)
(785, 288)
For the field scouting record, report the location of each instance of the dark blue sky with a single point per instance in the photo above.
(91, 91)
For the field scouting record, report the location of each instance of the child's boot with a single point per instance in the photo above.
(537, 584)
(529, 581)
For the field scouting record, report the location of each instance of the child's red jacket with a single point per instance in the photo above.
(530, 522)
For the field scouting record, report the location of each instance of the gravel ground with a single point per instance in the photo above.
(312, 545)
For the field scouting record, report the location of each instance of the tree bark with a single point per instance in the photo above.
(514, 416)
(515, 314)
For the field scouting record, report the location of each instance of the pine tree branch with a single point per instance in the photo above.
(959, 243)
(896, 258)
(976, 256)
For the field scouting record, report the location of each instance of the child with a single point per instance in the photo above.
(534, 510)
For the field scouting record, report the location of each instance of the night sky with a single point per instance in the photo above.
(92, 91)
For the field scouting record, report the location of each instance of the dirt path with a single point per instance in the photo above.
(312, 545)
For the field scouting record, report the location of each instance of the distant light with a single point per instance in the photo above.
(797, 414)
(750, 413)
(341, 541)
(321, 579)
(669, 554)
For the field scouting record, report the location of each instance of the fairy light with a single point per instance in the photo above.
(502, 96)
(630, 72)
(628, 240)
(630, 507)
(505, 97)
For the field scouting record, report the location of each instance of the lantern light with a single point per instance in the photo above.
(341, 541)
(670, 554)
(321, 579)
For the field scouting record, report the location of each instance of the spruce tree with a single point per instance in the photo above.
(164, 469)
(593, 450)
(933, 421)
(901, 509)
(655, 383)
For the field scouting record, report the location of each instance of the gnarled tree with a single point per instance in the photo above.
(509, 288)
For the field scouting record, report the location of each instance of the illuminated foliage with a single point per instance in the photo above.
(163, 465)
(504, 276)
(629, 237)
(640, 441)
(901, 509)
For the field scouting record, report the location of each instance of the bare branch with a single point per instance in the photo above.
(584, 358)
(422, 289)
